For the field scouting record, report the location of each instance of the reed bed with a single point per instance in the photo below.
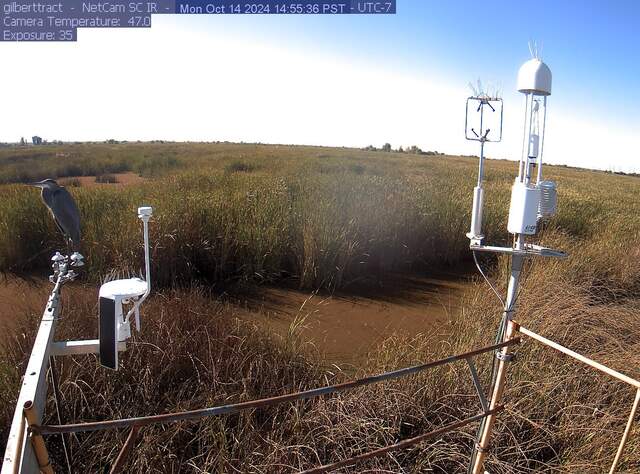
(326, 218)
(323, 216)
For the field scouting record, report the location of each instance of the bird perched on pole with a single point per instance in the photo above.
(63, 209)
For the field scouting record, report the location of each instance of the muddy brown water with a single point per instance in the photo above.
(343, 327)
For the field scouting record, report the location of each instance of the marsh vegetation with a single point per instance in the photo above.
(231, 216)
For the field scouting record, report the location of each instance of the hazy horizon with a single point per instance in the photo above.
(347, 80)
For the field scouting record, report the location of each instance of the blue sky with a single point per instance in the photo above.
(592, 46)
(341, 80)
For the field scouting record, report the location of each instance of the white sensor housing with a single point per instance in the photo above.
(523, 213)
(548, 199)
(145, 211)
(534, 146)
(475, 234)
(115, 325)
(534, 77)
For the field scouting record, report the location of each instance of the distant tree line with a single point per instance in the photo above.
(413, 149)
(36, 140)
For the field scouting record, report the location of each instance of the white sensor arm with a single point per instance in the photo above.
(144, 213)
(476, 215)
(475, 233)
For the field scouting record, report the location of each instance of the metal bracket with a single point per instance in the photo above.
(506, 357)
(529, 250)
(88, 346)
(480, 449)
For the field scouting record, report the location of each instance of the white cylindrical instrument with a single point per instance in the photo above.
(523, 212)
(548, 199)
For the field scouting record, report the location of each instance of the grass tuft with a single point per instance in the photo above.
(327, 218)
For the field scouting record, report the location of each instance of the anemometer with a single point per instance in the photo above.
(479, 105)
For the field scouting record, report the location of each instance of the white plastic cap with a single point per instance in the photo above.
(146, 211)
(534, 77)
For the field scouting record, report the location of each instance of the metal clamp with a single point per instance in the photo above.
(480, 449)
(505, 357)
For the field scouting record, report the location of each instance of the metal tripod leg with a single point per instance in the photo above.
(480, 450)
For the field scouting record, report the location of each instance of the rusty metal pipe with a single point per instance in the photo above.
(403, 444)
(121, 460)
(39, 448)
(264, 402)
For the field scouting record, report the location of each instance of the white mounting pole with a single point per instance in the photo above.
(144, 214)
(482, 140)
(486, 428)
(527, 164)
(544, 126)
(475, 233)
(524, 139)
(534, 80)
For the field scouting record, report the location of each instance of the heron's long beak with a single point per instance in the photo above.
(36, 185)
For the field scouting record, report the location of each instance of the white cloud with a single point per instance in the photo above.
(175, 84)
(591, 144)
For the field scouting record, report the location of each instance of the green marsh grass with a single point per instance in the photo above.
(328, 217)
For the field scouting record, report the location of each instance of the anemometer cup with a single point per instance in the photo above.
(77, 259)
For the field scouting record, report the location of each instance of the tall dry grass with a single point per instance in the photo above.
(247, 212)
(328, 217)
(560, 417)
(28, 164)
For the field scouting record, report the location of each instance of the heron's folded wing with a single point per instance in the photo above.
(66, 213)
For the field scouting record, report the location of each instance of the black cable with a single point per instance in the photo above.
(486, 279)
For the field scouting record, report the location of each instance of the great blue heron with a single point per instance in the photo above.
(63, 209)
